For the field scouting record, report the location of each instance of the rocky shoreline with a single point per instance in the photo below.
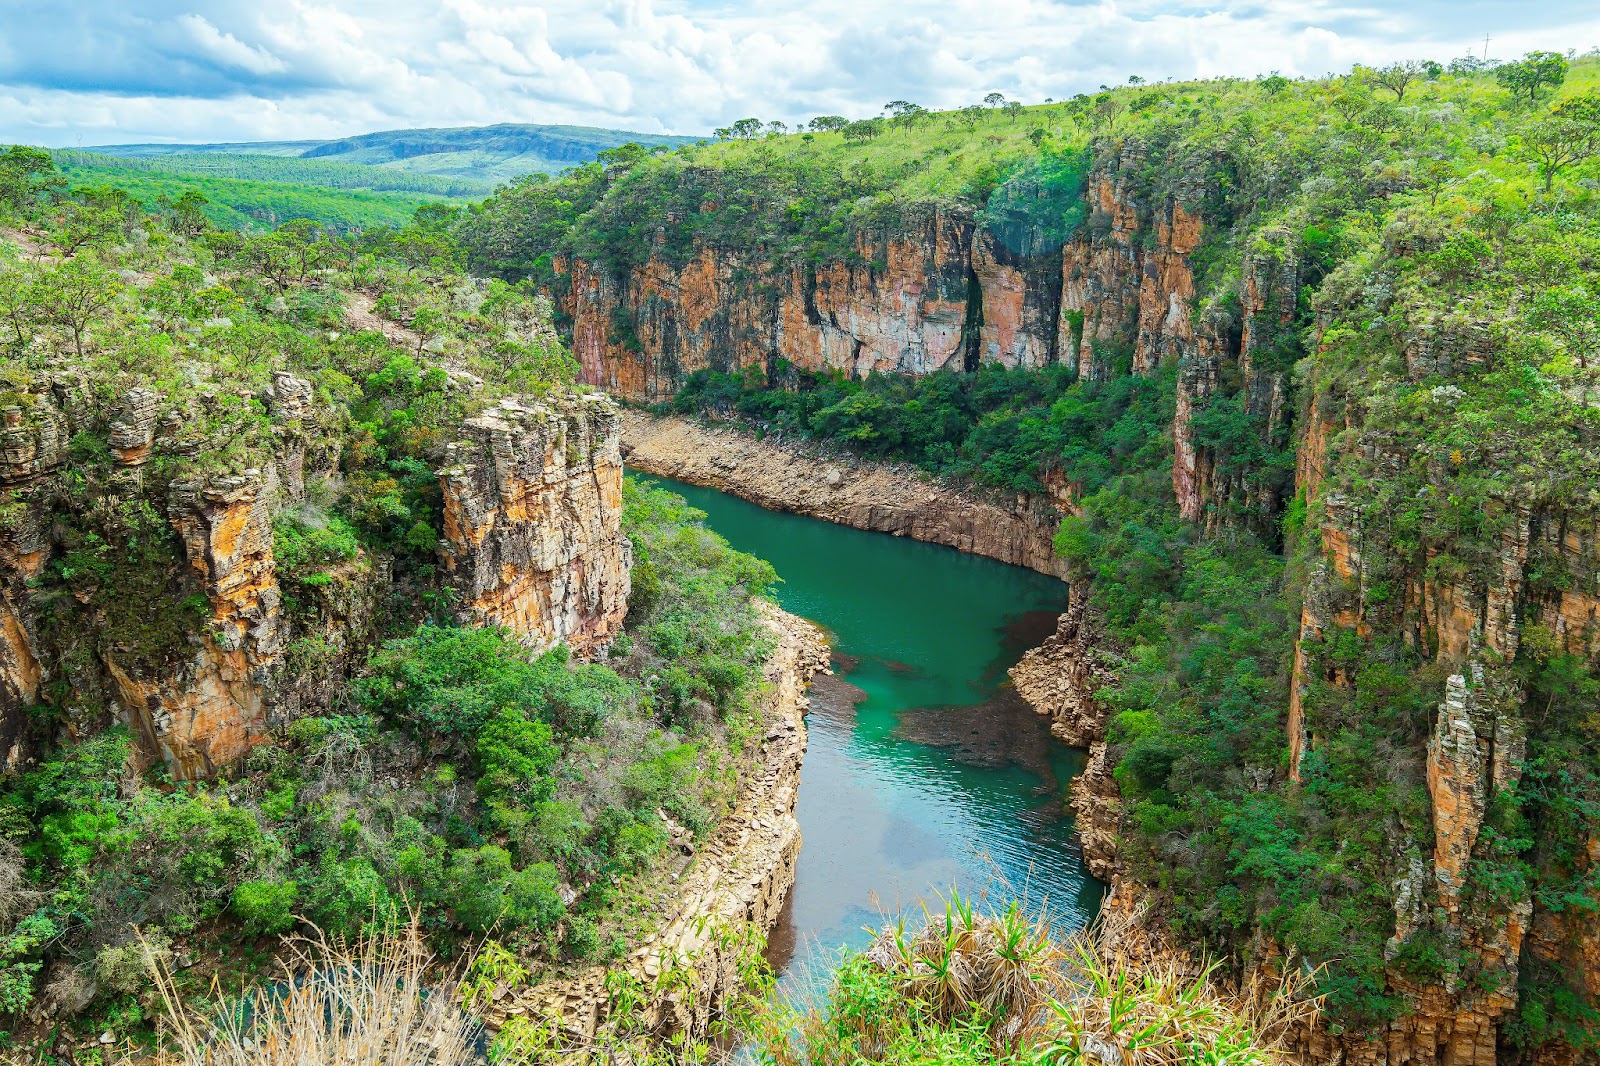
(737, 882)
(803, 477)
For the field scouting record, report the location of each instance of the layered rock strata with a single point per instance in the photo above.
(533, 535)
(190, 642)
(737, 882)
(804, 479)
(1060, 679)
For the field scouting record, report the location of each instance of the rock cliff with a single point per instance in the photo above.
(147, 591)
(941, 291)
(533, 522)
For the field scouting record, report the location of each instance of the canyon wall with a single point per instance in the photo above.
(139, 584)
(533, 522)
(943, 291)
(1124, 295)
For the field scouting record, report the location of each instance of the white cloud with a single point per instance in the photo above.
(228, 49)
(293, 69)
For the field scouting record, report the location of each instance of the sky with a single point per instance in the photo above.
(86, 72)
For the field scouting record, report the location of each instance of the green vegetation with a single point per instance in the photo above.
(456, 778)
(1424, 240)
(1007, 428)
(260, 193)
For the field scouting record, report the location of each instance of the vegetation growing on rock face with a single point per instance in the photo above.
(1412, 255)
(441, 773)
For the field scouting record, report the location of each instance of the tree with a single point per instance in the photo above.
(1013, 108)
(186, 215)
(864, 130)
(27, 175)
(75, 294)
(1534, 74)
(623, 157)
(1397, 76)
(1569, 134)
(747, 128)
(1274, 83)
(994, 99)
(828, 123)
(776, 128)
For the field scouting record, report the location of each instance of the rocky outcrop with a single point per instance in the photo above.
(736, 882)
(1471, 623)
(167, 609)
(533, 535)
(803, 478)
(210, 711)
(1060, 679)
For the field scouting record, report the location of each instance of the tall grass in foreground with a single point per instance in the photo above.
(962, 988)
(968, 987)
(375, 1002)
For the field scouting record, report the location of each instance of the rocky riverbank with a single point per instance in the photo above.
(805, 478)
(734, 885)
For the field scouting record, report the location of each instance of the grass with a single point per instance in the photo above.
(936, 159)
(969, 986)
(945, 153)
(375, 1002)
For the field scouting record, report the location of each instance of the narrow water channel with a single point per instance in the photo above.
(925, 773)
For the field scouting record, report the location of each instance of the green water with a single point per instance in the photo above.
(925, 772)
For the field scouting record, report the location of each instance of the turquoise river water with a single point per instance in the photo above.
(925, 772)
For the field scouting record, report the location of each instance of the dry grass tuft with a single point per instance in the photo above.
(375, 1002)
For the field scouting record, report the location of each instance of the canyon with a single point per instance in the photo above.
(942, 293)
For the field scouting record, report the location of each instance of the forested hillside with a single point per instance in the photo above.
(1314, 360)
(277, 645)
(484, 155)
(259, 193)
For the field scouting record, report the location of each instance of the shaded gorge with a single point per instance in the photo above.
(925, 771)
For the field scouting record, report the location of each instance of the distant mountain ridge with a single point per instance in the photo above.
(486, 153)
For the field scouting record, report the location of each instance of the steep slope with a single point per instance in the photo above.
(1336, 649)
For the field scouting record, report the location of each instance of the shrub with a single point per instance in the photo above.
(266, 907)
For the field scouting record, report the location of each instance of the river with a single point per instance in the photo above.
(925, 772)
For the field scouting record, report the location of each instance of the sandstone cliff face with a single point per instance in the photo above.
(738, 879)
(212, 710)
(803, 479)
(1471, 627)
(940, 292)
(533, 522)
(158, 601)
(946, 292)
